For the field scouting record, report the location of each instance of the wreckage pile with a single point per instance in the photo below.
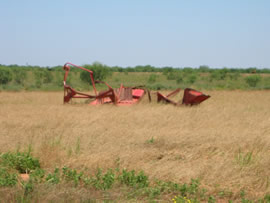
(127, 95)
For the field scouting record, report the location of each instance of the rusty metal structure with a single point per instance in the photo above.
(120, 96)
(191, 97)
(126, 95)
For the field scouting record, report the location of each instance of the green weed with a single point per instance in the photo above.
(28, 187)
(131, 179)
(211, 199)
(150, 141)
(71, 175)
(105, 181)
(54, 177)
(136, 185)
(37, 175)
(21, 161)
(244, 159)
(7, 179)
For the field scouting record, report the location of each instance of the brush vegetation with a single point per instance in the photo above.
(16, 78)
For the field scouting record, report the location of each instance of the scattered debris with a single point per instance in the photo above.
(119, 96)
(126, 95)
(191, 97)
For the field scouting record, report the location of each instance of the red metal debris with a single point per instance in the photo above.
(126, 95)
(191, 97)
(165, 99)
(119, 96)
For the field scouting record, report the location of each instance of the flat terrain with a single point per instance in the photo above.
(224, 142)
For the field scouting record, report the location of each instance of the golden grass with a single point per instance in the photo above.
(225, 141)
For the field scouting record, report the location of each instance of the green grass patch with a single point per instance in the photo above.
(132, 185)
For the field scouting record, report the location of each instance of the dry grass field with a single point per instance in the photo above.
(224, 142)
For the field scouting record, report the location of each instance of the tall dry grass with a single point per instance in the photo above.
(225, 141)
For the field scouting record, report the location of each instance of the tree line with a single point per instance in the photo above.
(40, 76)
(147, 68)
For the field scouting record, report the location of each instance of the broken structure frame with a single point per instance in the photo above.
(127, 95)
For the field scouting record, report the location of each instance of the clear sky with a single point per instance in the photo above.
(178, 33)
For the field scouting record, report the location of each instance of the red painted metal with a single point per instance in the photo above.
(165, 99)
(119, 96)
(124, 96)
(69, 92)
(191, 97)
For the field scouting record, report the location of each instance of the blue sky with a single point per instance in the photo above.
(178, 33)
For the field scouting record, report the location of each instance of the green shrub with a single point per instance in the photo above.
(21, 161)
(152, 78)
(204, 68)
(37, 175)
(108, 179)
(234, 76)
(188, 70)
(47, 76)
(5, 75)
(100, 72)
(131, 179)
(105, 181)
(253, 80)
(59, 79)
(211, 199)
(223, 73)
(267, 198)
(192, 78)
(251, 70)
(7, 179)
(54, 178)
(42, 76)
(38, 78)
(171, 75)
(19, 76)
(167, 70)
(72, 175)
(219, 74)
(28, 187)
(179, 79)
